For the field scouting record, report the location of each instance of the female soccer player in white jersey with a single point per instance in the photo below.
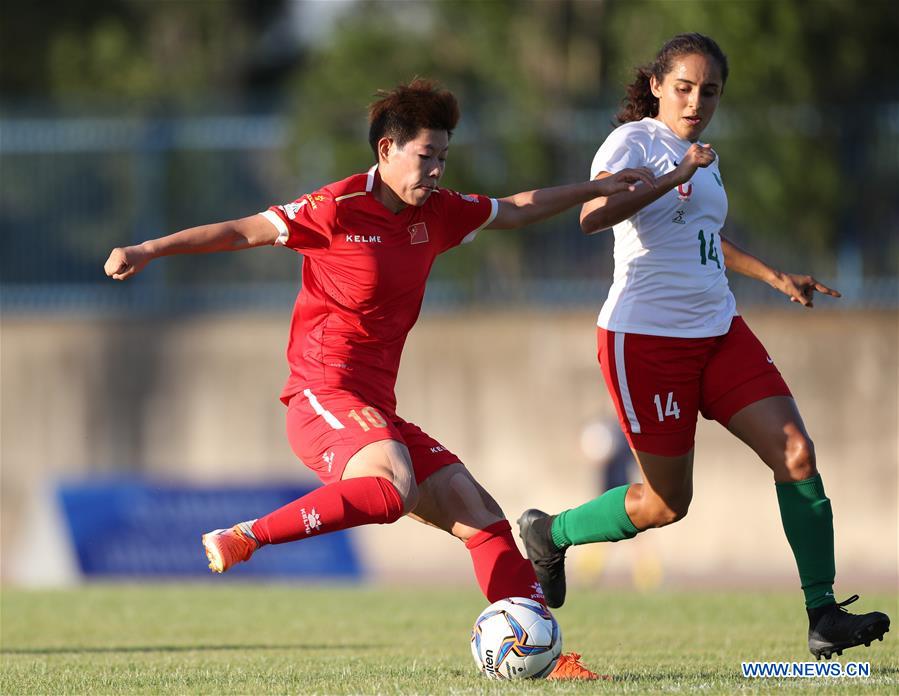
(368, 243)
(671, 344)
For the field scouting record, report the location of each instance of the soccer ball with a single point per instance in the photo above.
(516, 638)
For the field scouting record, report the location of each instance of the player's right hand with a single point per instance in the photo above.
(625, 180)
(124, 262)
(697, 156)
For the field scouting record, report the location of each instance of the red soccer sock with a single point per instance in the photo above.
(500, 568)
(339, 505)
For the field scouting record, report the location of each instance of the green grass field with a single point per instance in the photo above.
(278, 639)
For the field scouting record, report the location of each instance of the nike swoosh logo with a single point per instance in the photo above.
(770, 361)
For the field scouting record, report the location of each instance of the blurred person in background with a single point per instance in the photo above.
(671, 345)
(605, 446)
(368, 244)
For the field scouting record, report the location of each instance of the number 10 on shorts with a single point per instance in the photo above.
(372, 415)
(671, 408)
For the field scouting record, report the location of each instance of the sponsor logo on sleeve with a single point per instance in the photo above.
(291, 209)
(312, 198)
(418, 233)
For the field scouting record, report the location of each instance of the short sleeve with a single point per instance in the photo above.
(306, 224)
(626, 147)
(465, 215)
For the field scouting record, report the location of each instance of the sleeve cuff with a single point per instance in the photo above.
(494, 209)
(279, 224)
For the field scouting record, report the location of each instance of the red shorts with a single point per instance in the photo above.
(659, 384)
(327, 426)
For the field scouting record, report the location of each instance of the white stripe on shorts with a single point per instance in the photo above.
(322, 411)
(622, 384)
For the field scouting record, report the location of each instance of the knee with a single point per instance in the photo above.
(463, 532)
(408, 493)
(659, 512)
(800, 457)
(388, 460)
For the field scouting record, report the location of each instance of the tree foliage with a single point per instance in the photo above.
(131, 49)
(804, 130)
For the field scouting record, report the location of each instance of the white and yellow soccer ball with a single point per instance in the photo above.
(516, 638)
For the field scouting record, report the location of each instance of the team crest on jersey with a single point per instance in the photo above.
(418, 233)
(684, 191)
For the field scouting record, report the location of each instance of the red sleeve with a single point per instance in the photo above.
(305, 225)
(465, 215)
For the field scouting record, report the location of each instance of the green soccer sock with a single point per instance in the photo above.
(602, 519)
(808, 522)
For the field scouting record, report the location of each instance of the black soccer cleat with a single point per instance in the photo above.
(535, 530)
(832, 629)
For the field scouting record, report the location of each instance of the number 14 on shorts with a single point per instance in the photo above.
(671, 407)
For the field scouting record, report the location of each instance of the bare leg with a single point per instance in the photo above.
(665, 494)
(774, 429)
(452, 500)
(388, 459)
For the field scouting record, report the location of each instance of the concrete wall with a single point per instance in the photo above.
(196, 399)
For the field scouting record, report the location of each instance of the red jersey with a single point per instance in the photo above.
(364, 273)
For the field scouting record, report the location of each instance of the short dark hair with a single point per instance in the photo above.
(639, 101)
(406, 109)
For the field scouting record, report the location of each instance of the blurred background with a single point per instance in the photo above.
(153, 404)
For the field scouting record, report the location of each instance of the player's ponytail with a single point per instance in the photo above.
(639, 101)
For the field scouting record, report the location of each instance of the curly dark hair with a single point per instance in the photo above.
(405, 110)
(639, 101)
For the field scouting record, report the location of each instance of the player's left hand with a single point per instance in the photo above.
(802, 288)
(625, 180)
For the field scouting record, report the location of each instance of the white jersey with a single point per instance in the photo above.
(669, 268)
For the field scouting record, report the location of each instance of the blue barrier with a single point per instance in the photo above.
(135, 528)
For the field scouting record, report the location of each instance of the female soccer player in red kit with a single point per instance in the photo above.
(368, 243)
(671, 344)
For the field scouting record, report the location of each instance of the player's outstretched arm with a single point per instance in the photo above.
(233, 235)
(602, 213)
(798, 287)
(532, 206)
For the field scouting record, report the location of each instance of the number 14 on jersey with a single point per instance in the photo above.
(712, 253)
(671, 407)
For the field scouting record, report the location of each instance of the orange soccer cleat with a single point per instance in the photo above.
(228, 547)
(569, 667)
